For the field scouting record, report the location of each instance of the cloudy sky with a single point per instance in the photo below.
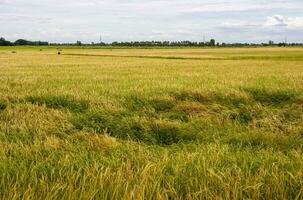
(127, 20)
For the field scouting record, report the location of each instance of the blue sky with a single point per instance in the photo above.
(127, 20)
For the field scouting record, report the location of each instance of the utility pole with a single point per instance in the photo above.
(204, 38)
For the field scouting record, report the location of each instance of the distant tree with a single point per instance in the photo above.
(40, 43)
(79, 43)
(22, 42)
(162, 44)
(4, 42)
(212, 42)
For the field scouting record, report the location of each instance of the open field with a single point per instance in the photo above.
(151, 123)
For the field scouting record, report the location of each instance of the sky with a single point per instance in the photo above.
(145, 20)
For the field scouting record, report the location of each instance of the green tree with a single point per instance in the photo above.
(79, 43)
(4, 42)
(212, 42)
(271, 43)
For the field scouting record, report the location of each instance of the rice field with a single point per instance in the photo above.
(175, 123)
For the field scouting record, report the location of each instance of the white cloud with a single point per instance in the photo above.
(282, 21)
(276, 20)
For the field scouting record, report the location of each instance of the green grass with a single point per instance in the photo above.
(151, 123)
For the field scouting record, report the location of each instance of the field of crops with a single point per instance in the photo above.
(151, 123)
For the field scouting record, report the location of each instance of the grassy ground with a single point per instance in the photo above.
(151, 123)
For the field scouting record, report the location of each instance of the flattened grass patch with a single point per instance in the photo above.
(230, 100)
(124, 126)
(245, 114)
(60, 102)
(96, 121)
(162, 104)
(168, 119)
(169, 132)
(166, 132)
(271, 97)
(265, 140)
(136, 103)
(3, 105)
(191, 96)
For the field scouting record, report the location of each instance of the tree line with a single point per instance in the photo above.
(210, 43)
(22, 42)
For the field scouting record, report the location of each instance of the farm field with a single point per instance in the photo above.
(183, 123)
